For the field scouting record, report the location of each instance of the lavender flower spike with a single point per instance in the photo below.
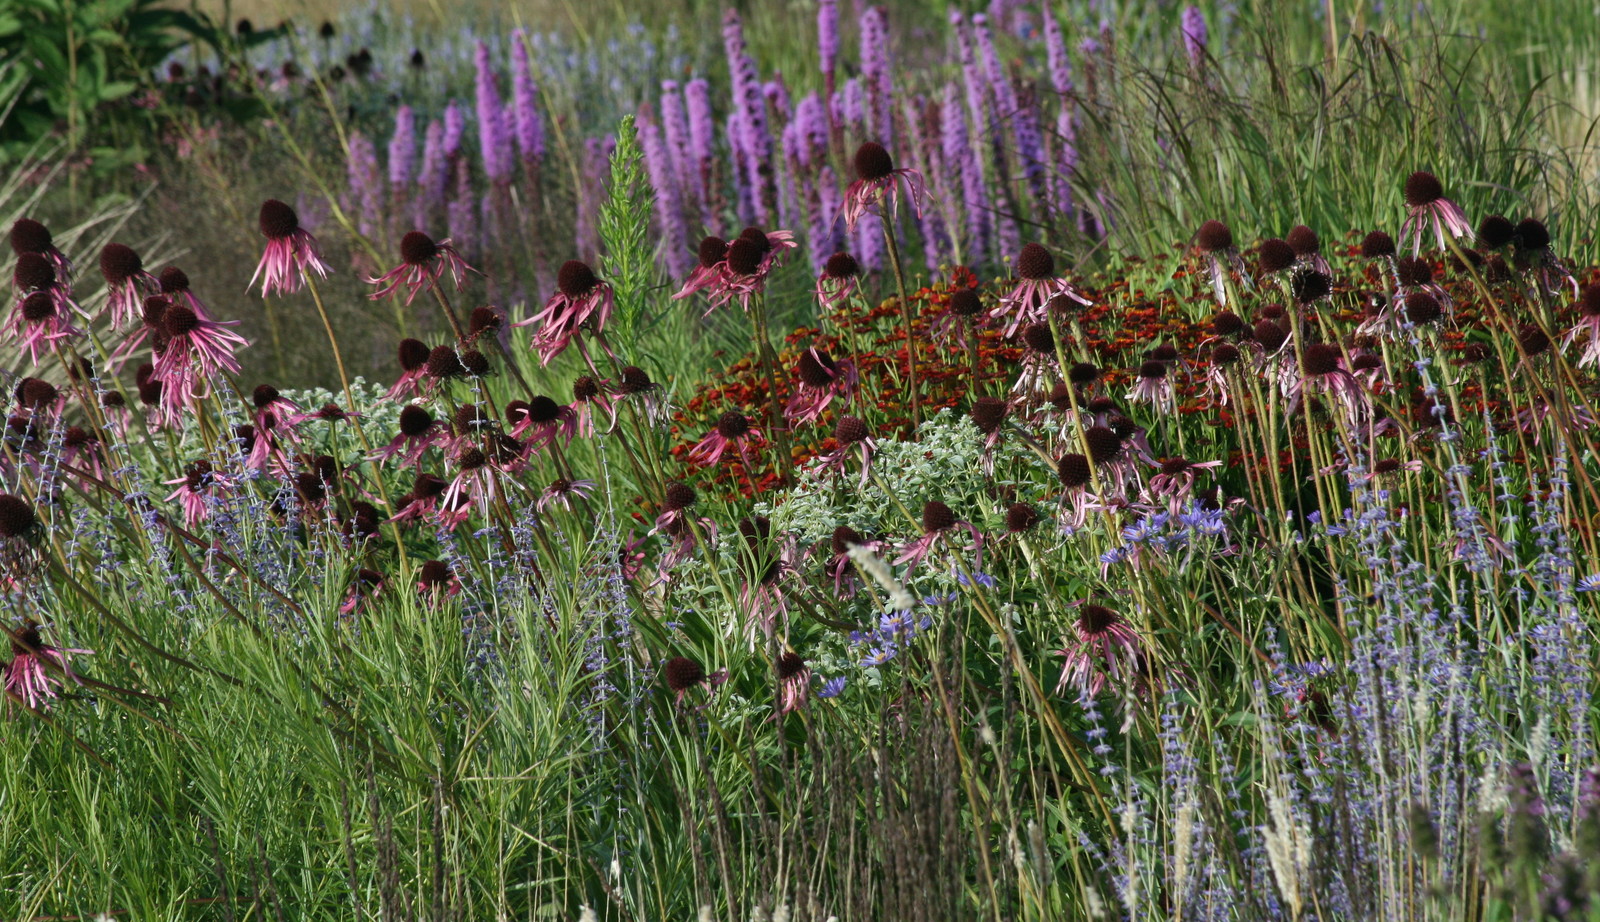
(1194, 36)
(402, 149)
(525, 93)
(494, 140)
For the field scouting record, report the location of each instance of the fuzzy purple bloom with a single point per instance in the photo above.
(755, 141)
(455, 128)
(960, 157)
(1194, 35)
(875, 71)
(669, 204)
(433, 181)
(828, 39)
(524, 99)
(402, 150)
(366, 181)
(494, 140)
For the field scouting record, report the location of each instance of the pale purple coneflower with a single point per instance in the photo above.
(29, 674)
(1533, 256)
(30, 237)
(1218, 388)
(37, 322)
(196, 351)
(1154, 387)
(1307, 247)
(794, 682)
(193, 487)
(419, 431)
(878, 184)
(1322, 371)
(589, 395)
(1039, 366)
(1175, 482)
(477, 483)
(821, 380)
(36, 274)
(1214, 240)
(939, 520)
(1426, 204)
(175, 288)
(733, 430)
(677, 521)
(413, 356)
(839, 281)
(956, 321)
(127, 282)
(423, 262)
(329, 413)
(683, 675)
(840, 566)
(854, 439)
(1588, 325)
(708, 270)
(363, 588)
(1037, 285)
(423, 499)
(561, 492)
(291, 251)
(542, 421)
(1103, 646)
(988, 415)
(436, 580)
(582, 301)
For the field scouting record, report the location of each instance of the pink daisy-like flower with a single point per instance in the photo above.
(854, 439)
(938, 520)
(733, 430)
(878, 184)
(1322, 372)
(560, 493)
(582, 301)
(1039, 366)
(423, 262)
(36, 274)
(1588, 325)
(291, 251)
(422, 501)
(365, 587)
(794, 682)
(196, 351)
(821, 380)
(29, 674)
(683, 675)
(840, 567)
(712, 262)
(542, 421)
(477, 483)
(327, 413)
(436, 581)
(127, 283)
(175, 288)
(751, 258)
(1214, 240)
(677, 521)
(591, 395)
(419, 431)
(30, 237)
(1037, 285)
(1175, 483)
(1153, 386)
(839, 281)
(413, 355)
(1103, 646)
(957, 321)
(37, 322)
(1218, 388)
(1426, 204)
(193, 487)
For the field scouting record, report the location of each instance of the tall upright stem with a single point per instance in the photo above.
(905, 321)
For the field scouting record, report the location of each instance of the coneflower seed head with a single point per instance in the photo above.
(543, 410)
(1275, 255)
(1038, 338)
(790, 665)
(841, 265)
(1414, 271)
(1304, 241)
(277, 220)
(38, 306)
(1422, 189)
(1096, 619)
(1227, 323)
(415, 421)
(1320, 359)
(119, 262)
(1495, 231)
(850, 430)
(444, 363)
(744, 256)
(1422, 308)
(16, 516)
(413, 354)
(964, 302)
(417, 249)
(33, 272)
(1021, 517)
(712, 250)
(1310, 286)
(263, 395)
(1532, 235)
(179, 320)
(1153, 369)
(1376, 245)
(29, 236)
(679, 495)
(815, 368)
(1104, 444)
(434, 573)
(1534, 340)
(936, 516)
(1589, 304)
(988, 413)
(1224, 354)
(1270, 335)
(683, 673)
(585, 388)
(475, 363)
(483, 318)
(174, 280)
(1036, 263)
(733, 425)
(1214, 237)
(576, 279)
(1083, 374)
(873, 161)
(843, 537)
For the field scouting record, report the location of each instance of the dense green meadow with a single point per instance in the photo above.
(814, 461)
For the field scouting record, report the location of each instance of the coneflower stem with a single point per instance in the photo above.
(905, 320)
(769, 358)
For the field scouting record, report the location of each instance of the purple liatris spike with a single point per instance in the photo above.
(755, 141)
(702, 132)
(971, 75)
(827, 224)
(828, 40)
(525, 95)
(960, 157)
(402, 149)
(875, 70)
(811, 131)
(867, 244)
(434, 181)
(1194, 35)
(461, 215)
(853, 106)
(1055, 47)
(590, 194)
(366, 182)
(494, 140)
(455, 126)
(669, 204)
(675, 134)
